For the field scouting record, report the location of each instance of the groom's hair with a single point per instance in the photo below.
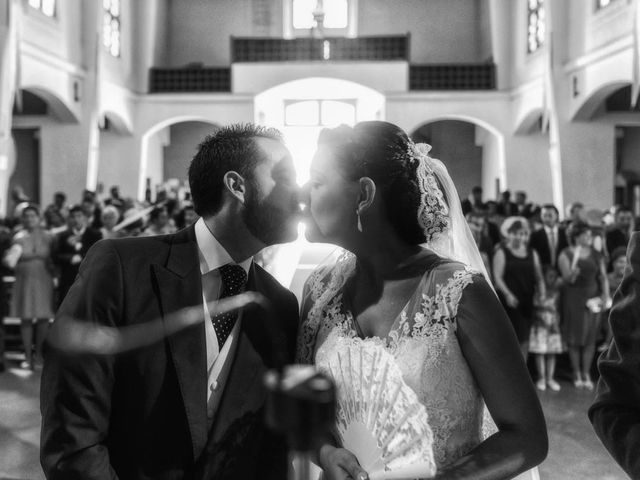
(229, 148)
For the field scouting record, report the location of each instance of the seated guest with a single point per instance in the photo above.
(615, 413)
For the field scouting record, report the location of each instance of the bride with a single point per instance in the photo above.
(412, 283)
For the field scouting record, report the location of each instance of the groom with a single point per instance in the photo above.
(190, 406)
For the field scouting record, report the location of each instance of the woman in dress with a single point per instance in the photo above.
(517, 272)
(32, 295)
(585, 294)
(381, 197)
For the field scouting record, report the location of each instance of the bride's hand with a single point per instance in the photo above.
(339, 464)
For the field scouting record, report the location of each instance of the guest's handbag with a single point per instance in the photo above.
(12, 255)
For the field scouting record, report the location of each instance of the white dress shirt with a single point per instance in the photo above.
(552, 239)
(213, 256)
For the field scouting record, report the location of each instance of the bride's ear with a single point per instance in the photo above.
(367, 193)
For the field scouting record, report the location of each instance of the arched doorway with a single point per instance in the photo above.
(471, 153)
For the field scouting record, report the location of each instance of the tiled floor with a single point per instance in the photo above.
(575, 452)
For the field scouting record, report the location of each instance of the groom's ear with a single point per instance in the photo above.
(235, 184)
(367, 193)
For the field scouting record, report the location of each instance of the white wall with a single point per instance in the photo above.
(631, 150)
(454, 143)
(184, 140)
(446, 31)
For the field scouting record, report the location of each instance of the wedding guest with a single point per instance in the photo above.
(110, 218)
(620, 232)
(159, 223)
(474, 201)
(506, 207)
(32, 295)
(619, 264)
(585, 292)
(517, 272)
(56, 213)
(71, 246)
(546, 341)
(551, 239)
(615, 412)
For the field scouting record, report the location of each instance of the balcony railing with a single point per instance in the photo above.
(452, 77)
(190, 79)
(312, 49)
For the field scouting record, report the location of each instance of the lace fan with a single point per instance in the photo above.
(379, 417)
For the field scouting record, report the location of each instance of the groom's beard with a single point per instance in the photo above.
(267, 222)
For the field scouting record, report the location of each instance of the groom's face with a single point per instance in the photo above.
(272, 209)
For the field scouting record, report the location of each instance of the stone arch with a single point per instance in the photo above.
(59, 108)
(586, 110)
(154, 129)
(528, 123)
(118, 123)
(491, 137)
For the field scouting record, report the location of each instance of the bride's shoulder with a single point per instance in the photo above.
(451, 269)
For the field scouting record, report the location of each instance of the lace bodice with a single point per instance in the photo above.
(423, 343)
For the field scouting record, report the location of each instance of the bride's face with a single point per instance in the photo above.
(331, 201)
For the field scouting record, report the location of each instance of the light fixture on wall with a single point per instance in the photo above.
(76, 91)
(574, 83)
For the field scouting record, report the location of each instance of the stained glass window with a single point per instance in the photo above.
(536, 25)
(336, 13)
(111, 26)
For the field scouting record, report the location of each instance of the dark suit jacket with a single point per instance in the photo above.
(540, 243)
(615, 413)
(62, 254)
(616, 238)
(143, 415)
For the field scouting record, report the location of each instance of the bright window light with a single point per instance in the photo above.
(111, 26)
(536, 25)
(303, 13)
(47, 7)
(336, 13)
(304, 113)
(335, 112)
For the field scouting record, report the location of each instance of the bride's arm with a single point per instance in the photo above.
(491, 349)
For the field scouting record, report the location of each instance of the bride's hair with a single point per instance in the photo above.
(379, 150)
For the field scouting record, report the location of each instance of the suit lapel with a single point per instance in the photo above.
(180, 286)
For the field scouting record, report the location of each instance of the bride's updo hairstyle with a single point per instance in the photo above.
(379, 150)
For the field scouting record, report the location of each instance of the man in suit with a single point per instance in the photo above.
(615, 413)
(618, 235)
(551, 239)
(507, 208)
(189, 406)
(71, 246)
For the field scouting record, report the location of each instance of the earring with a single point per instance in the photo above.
(359, 222)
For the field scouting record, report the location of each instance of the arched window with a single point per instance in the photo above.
(319, 113)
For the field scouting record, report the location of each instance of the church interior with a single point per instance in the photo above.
(105, 101)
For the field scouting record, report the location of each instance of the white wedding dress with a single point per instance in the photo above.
(423, 344)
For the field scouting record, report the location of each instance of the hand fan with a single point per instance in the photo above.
(379, 417)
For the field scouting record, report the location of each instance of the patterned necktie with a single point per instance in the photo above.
(233, 279)
(553, 246)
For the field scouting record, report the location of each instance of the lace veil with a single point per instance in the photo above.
(451, 237)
